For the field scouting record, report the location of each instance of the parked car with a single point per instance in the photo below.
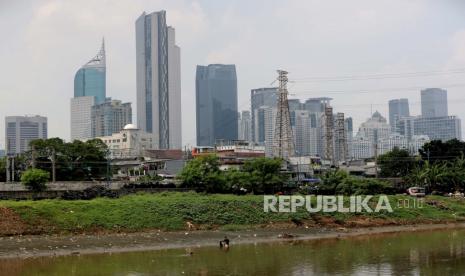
(416, 191)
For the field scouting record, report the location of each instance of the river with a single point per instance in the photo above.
(439, 252)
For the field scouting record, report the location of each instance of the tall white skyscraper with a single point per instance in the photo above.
(21, 130)
(81, 117)
(158, 68)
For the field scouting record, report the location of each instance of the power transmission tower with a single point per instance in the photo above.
(283, 143)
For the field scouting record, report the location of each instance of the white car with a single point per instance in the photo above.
(416, 191)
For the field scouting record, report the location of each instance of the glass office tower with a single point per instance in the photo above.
(216, 103)
(90, 79)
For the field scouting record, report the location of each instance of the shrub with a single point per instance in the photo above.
(35, 179)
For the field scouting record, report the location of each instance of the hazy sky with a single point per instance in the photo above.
(43, 44)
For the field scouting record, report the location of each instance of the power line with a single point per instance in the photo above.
(379, 76)
(372, 90)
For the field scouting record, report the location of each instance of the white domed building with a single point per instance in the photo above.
(130, 142)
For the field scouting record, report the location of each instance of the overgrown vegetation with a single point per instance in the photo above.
(35, 179)
(260, 175)
(339, 182)
(171, 211)
(440, 168)
(74, 161)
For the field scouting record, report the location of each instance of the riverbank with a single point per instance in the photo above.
(62, 245)
(192, 211)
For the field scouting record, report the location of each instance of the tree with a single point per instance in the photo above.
(236, 179)
(265, 175)
(438, 151)
(396, 163)
(331, 179)
(203, 174)
(73, 161)
(35, 179)
(2, 169)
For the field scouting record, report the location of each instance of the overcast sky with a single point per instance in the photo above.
(43, 44)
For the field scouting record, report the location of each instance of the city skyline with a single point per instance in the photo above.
(50, 70)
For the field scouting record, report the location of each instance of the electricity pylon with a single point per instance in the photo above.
(283, 143)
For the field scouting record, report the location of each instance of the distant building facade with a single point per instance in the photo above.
(438, 128)
(158, 76)
(216, 103)
(261, 97)
(130, 142)
(110, 117)
(81, 117)
(21, 130)
(434, 103)
(397, 108)
(245, 126)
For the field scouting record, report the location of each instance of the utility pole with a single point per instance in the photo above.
(33, 156)
(8, 169)
(13, 169)
(53, 165)
(283, 143)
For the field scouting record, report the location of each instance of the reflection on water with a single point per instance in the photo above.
(423, 253)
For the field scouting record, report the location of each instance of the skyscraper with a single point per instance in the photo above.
(216, 103)
(90, 79)
(81, 117)
(397, 108)
(434, 103)
(21, 130)
(438, 128)
(158, 70)
(110, 117)
(261, 97)
(89, 89)
(245, 130)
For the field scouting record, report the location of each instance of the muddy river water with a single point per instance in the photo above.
(438, 252)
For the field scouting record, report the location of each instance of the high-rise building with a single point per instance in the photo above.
(81, 117)
(394, 140)
(90, 79)
(405, 126)
(89, 89)
(110, 117)
(397, 108)
(317, 104)
(375, 128)
(341, 151)
(306, 133)
(434, 103)
(21, 130)
(158, 70)
(362, 148)
(216, 103)
(349, 126)
(258, 98)
(245, 128)
(294, 105)
(269, 122)
(438, 128)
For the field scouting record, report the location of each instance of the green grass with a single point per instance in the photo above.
(170, 211)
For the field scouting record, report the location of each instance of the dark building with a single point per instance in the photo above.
(216, 103)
